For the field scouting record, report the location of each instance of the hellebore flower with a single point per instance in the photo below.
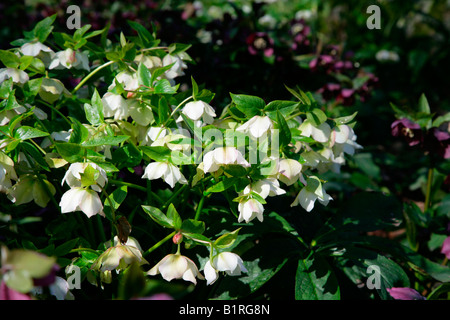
(29, 188)
(320, 133)
(404, 294)
(446, 248)
(116, 106)
(177, 69)
(265, 187)
(212, 160)
(289, 171)
(7, 293)
(81, 199)
(176, 266)
(69, 58)
(330, 91)
(249, 209)
(310, 193)
(34, 48)
(260, 42)
(346, 97)
(199, 110)
(170, 173)
(411, 131)
(119, 256)
(227, 262)
(256, 126)
(7, 172)
(77, 171)
(18, 76)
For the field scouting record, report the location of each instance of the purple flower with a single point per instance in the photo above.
(330, 91)
(346, 97)
(446, 248)
(324, 61)
(399, 293)
(48, 279)
(411, 131)
(260, 42)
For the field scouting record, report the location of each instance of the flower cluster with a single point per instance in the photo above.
(135, 116)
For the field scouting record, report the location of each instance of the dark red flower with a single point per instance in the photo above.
(411, 131)
(260, 42)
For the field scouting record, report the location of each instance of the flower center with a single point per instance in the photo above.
(260, 43)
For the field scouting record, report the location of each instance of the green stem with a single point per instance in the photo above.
(171, 115)
(55, 110)
(428, 192)
(174, 195)
(199, 208)
(159, 243)
(82, 82)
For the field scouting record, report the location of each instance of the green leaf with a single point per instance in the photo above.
(221, 186)
(423, 104)
(194, 88)
(315, 280)
(317, 117)
(127, 156)
(145, 36)
(79, 132)
(106, 140)
(9, 59)
(226, 240)
(94, 111)
(44, 28)
(89, 176)
(144, 75)
(71, 152)
(346, 119)
(157, 153)
(192, 226)
(285, 132)
(114, 200)
(163, 86)
(172, 215)
(65, 248)
(32, 87)
(158, 216)
(249, 105)
(197, 238)
(35, 154)
(25, 132)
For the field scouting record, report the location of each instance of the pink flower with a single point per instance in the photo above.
(10, 294)
(260, 42)
(446, 248)
(405, 294)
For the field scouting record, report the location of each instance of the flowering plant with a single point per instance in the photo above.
(109, 165)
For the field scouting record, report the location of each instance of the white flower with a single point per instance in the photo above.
(28, 188)
(69, 58)
(227, 262)
(308, 196)
(212, 160)
(73, 175)
(116, 106)
(348, 146)
(60, 289)
(81, 199)
(18, 76)
(7, 172)
(199, 110)
(177, 69)
(289, 171)
(141, 113)
(320, 133)
(52, 89)
(265, 187)
(119, 256)
(256, 126)
(34, 48)
(176, 266)
(149, 61)
(128, 80)
(249, 209)
(170, 173)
